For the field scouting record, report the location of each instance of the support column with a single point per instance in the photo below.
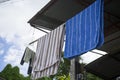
(72, 69)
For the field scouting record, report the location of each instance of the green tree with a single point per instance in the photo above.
(10, 73)
(6, 72)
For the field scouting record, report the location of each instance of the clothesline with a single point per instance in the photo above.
(64, 40)
(42, 31)
(35, 41)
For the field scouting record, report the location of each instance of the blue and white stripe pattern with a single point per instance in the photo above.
(84, 31)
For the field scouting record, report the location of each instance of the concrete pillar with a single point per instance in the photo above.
(72, 70)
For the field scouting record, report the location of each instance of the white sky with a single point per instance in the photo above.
(14, 15)
(14, 29)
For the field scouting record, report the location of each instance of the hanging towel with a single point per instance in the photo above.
(28, 56)
(48, 53)
(84, 31)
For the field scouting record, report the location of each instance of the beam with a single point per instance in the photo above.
(42, 10)
(112, 40)
(101, 75)
(112, 15)
(51, 20)
(83, 3)
(96, 53)
(112, 28)
(113, 57)
(108, 18)
(107, 2)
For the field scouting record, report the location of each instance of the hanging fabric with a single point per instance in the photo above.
(48, 53)
(28, 56)
(84, 31)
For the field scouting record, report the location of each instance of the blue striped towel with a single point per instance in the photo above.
(84, 31)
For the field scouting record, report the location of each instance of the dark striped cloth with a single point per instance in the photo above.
(48, 54)
(28, 56)
(84, 31)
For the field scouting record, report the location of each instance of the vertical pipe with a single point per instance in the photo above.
(72, 70)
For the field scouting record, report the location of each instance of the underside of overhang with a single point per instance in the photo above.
(106, 67)
(56, 12)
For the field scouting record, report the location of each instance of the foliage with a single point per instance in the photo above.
(64, 68)
(64, 77)
(45, 78)
(10, 73)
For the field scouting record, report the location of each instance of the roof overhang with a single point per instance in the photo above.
(57, 12)
(106, 67)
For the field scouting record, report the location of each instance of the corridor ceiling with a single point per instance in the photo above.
(56, 12)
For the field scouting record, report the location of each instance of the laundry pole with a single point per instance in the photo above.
(77, 69)
(72, 69)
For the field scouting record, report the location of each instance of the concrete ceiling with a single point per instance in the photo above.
(106, 67)
(57, 12)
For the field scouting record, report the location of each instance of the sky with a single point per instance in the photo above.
(16, 33)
